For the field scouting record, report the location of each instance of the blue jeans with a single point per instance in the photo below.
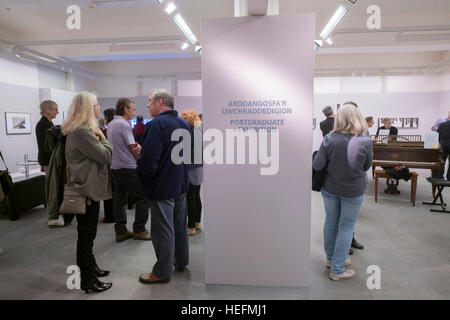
(341, 214)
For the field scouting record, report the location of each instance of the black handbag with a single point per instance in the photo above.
(5, 179)
(318, 177)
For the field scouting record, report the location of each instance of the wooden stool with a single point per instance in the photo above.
(382, 174)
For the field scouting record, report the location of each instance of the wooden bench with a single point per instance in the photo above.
(382, 174)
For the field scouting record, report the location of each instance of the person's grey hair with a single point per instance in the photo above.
(164, 95)
(327, 111)
(350, 120)
(47, 104)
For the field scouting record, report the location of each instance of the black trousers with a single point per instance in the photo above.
(446, 152)
(87, 230)
(194, 204)
(125, 182)
(108, 210)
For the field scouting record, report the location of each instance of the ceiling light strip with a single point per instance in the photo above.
(335, 19)
(184, 28)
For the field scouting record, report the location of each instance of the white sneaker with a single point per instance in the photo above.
(347, 274)
(347, 263)
(56, 223)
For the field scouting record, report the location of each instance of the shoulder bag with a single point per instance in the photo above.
(73, 201)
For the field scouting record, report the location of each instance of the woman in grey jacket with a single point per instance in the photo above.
(88, 156)
(347, 155)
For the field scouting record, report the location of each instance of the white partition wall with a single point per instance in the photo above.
(257, 227)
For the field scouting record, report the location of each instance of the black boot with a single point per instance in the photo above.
(356, 244)
(99, 272)
(350, 251)
(92, 284)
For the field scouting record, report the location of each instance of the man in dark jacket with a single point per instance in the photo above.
(49, 111)
(165, 184)
(444, 141)
(327, 125)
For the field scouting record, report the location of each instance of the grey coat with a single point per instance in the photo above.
(88, 159)
(347, 158)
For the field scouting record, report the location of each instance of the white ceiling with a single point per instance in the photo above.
(30, 21)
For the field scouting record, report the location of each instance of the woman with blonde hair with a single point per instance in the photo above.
(346, 155)
(194, 202)
(88, 155)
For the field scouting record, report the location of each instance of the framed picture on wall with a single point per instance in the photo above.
(18, 123)
(410, 123)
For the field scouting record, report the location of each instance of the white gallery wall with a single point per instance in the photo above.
(424, 96)
(21, 87)
(131, 88)
(20, 99)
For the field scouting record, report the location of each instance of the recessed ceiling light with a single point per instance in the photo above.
(184, 46)
(170, 8)
(329, 41)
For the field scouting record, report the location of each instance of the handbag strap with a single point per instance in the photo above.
(1, 156)
(67, 175)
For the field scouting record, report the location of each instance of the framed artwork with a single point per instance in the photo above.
(410, 123)
(314, 123)
(396, 122)
(18, 123)
(402, 123)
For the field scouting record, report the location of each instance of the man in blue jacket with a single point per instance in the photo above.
(165, 185)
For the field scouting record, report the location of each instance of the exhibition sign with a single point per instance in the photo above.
(257, 75)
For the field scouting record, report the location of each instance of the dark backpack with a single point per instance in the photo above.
(399, 172)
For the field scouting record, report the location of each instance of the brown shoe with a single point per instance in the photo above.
(149, 278)
(145, 235)
(124, 236)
